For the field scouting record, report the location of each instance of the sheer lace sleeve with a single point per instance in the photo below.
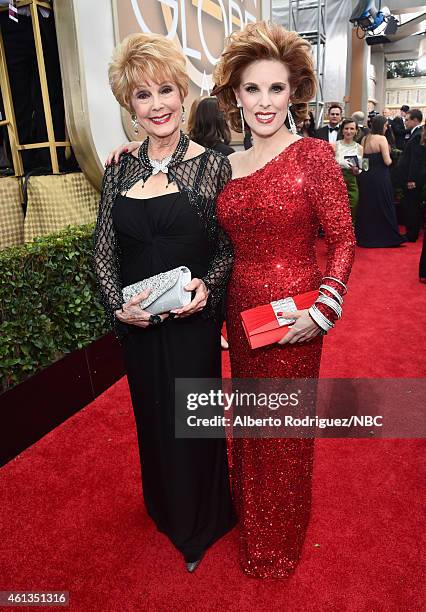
(105, 249)
(220, 269)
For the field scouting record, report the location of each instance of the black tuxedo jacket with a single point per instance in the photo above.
(411, 165)
(398, 127)
(322, 134)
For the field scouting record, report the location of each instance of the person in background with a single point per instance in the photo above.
(376, 225)
(359, 118)
(210, 128)
(390, 136)
(247, 142)
(398, 127)
(371, 116)
(308, 126)
(348, 155)
(411, 174)
(422, 263)
(191, 117)
(331, 132)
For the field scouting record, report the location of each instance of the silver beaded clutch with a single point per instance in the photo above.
(167, 290)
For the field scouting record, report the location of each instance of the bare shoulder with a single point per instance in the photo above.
(194, 149)
(237, 160)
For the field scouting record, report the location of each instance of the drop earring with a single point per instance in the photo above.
(293, 128)
(243, 125)
(183, 114)
(135, 124)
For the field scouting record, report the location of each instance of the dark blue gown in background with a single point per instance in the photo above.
(376, 223)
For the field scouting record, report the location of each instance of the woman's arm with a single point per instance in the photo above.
(328, 194)
(210, 290)
(128, 147)
(105, 248)
(217, 277)
(384, 149)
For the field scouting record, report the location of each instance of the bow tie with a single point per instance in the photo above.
(160, 166)
(333, 129)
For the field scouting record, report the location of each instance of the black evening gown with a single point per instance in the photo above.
(376, 225)
(185, 481)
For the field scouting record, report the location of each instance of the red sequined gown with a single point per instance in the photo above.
(272, 217)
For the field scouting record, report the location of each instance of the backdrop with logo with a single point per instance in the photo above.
(87, 34)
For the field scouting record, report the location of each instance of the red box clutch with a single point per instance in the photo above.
(263, 325)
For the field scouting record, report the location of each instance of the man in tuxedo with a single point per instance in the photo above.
(398, 127)
(330, 132)
(411, 173)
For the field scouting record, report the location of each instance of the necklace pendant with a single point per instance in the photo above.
(153, 166)
(160, 165)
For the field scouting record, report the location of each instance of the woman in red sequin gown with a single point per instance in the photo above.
(284, 189)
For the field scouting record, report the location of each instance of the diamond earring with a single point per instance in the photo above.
(183, 114)
(293, 128)
(243, 125)
(135, 124)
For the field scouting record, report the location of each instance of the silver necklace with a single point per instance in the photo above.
(155, 166)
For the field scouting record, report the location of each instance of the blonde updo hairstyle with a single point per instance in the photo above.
(145, 57)
(260, 41)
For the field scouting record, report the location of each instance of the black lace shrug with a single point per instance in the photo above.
(203, 178)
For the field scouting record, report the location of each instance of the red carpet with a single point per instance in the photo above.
(72, 517)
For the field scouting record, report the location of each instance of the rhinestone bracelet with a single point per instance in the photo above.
(337, 281)
(320, 319)
(331, 303)
(333, 291)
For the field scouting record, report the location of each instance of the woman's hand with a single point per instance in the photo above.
(302, 330)
(355, 170)
(199, 301)
(129, 147)
(133, 314)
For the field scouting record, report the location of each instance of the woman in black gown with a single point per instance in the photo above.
(376, 223)
(155, 216)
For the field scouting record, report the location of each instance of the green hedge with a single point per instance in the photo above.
(49, 304)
